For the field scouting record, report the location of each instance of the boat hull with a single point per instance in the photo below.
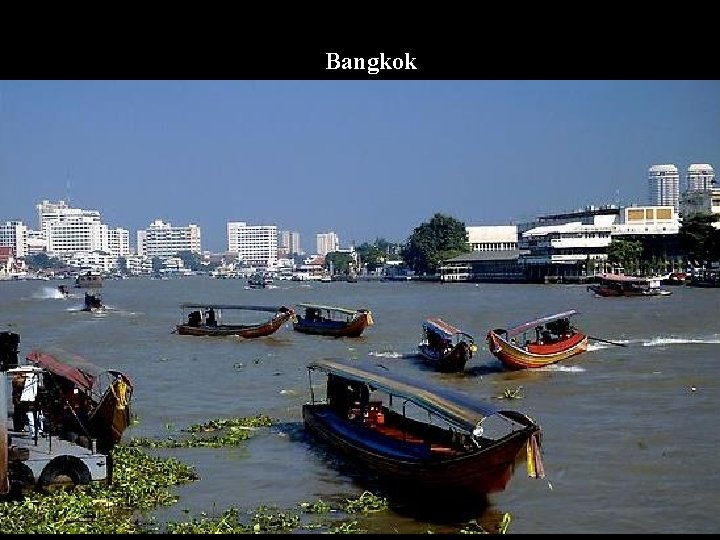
(245, 331)
(354, 328)
(111, 416)
(536, 355)
(450, 362)
(415, 464)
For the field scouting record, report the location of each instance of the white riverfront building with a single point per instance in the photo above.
(664, 185)
(493, 237)
(70, 230)
(256, 245)
(162, 240)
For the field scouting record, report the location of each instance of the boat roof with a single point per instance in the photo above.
(329, 308)
(67, 365)
(520, 328)
(623, 277)
(458, 408)
(271, 309)
(439, 326)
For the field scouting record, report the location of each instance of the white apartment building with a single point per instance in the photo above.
(119, 242)
(664, 185)
(94, 260)
(15, 235)
(69, 230)
(163, 240)
(700, 177)
(255, 245)
(327, 243)
(36, 242)
(136, 265)
(493, 237)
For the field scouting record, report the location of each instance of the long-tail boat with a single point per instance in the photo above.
(332, 320)
(422, 436)
(444, 346)
(212, 320)
(537, 343)
(83, 399)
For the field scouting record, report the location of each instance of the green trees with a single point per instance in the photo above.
(339, 261)
(442, 238)
(41, 261)
(699, 239)
(626, 253)
(372, 256)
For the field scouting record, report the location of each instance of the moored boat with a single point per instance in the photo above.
(89, 280)
(444, 346)
(418, 435)
(82, 400)
(332, 320)
(622, 285)
(539, 342)
(211, 320)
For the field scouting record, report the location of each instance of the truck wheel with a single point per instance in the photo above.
(22, 480)
(63, 473)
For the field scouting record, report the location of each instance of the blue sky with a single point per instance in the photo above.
(365, 159)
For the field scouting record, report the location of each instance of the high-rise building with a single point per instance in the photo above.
(69, 230)
(664, 185)
(327, 243)
(288, 243)
(119, 242)
(163, 240)
(700, 177)
(256, 245)
(15, 235)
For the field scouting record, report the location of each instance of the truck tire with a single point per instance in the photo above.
(64, 472)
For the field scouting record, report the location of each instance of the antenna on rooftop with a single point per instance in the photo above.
(67, 187)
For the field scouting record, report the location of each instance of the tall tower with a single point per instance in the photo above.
(664, 185)
(700, 177)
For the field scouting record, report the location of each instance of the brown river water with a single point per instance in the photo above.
(630, 434)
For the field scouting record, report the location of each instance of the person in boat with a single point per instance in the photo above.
(194, 318)
(211, 320)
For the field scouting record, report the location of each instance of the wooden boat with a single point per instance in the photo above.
(207, 320)
(332, 320)
(83, 402)
(538, 343)
(89, 280)
(444, 346)
(418, 435)
(93, 302)
(622, 285)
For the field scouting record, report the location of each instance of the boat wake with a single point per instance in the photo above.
(391, 354)
(561, 367)
(48, 292)
(659, 341)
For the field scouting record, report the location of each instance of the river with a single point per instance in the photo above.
(629, 433)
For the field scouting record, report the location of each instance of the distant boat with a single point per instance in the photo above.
(444, 346)
(63, 289)
(211, 320)
(89, 280)
(332, 320)
(706, 279)
(260, 280)
(622, 285)
(537, 343)
(93, 302)
(424, 437)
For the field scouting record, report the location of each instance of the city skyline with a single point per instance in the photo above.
(365, 159)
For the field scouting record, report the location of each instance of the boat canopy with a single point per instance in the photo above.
(70, 366)
(455, 407)
(519, 329)
(271, 309)
(329, 308)
(438, 326)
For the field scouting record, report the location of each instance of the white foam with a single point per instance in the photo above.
(49, 292)
(386, 354)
